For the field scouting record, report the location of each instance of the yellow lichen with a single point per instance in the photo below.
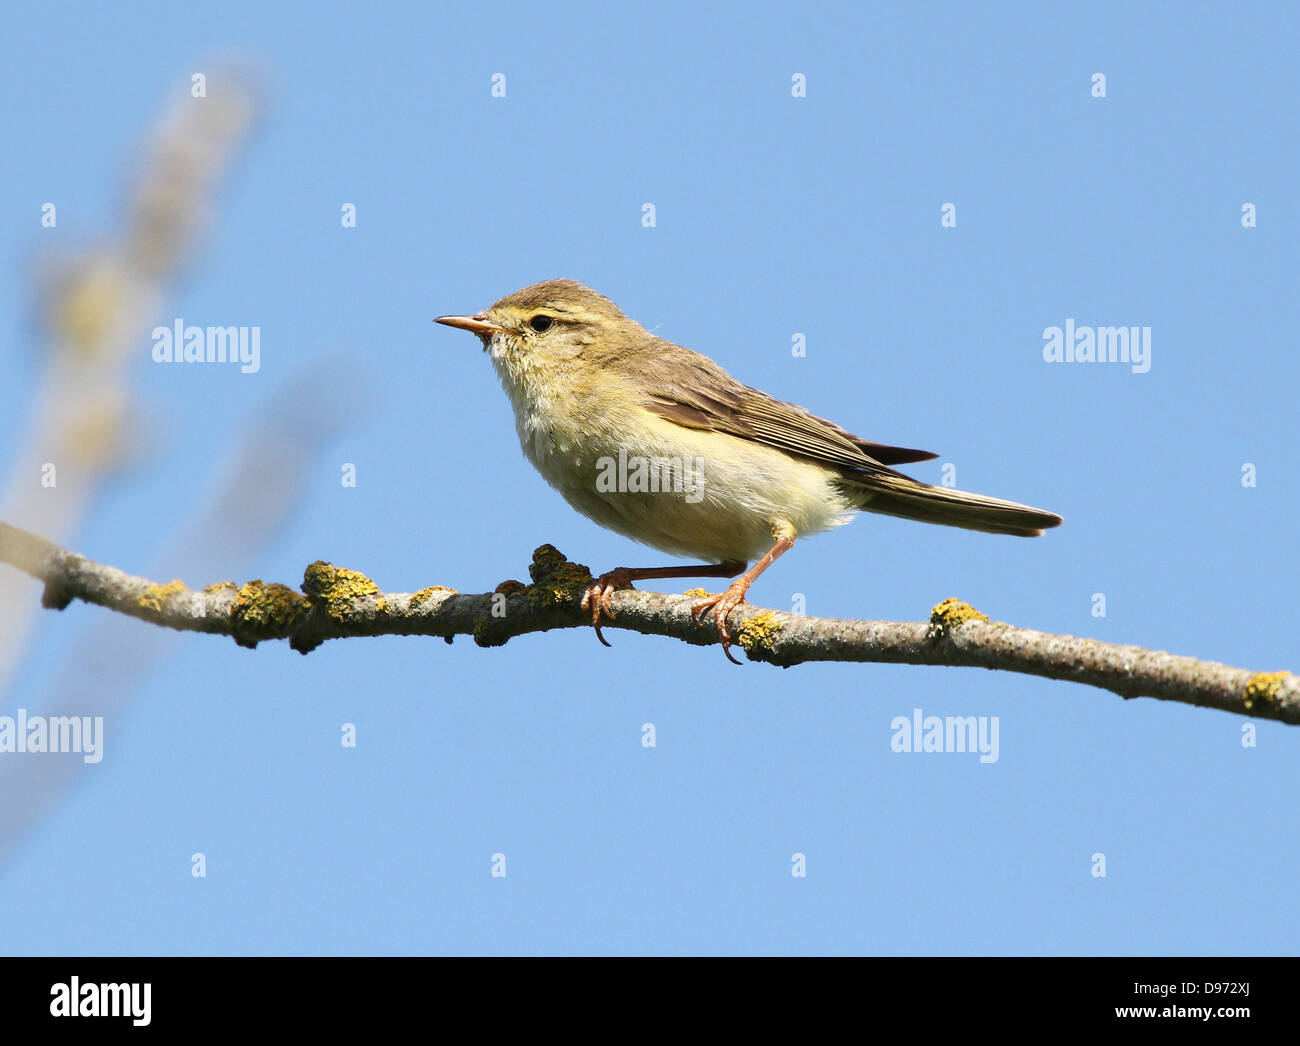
(697, 593)
(556, 581)
(509, 588)
(153, 597)
(953, 612)
(417, 598)
(757, 632)
(337, 589)
(1263, 687)
(263, 611)
(220, 586)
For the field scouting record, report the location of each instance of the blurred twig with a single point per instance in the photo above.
(264, 480)
(96, 307)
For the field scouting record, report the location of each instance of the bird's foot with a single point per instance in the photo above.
(596, 596)
(722, 605)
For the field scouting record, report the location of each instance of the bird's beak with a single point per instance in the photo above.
(474, 324)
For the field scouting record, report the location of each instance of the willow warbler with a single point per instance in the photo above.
(662, 445)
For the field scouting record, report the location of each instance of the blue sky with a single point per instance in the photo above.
(774, 215)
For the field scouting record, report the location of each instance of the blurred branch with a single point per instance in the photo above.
(96, 304)
(255, 490)
(336, 603)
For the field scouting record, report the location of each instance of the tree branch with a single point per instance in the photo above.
(336, 603)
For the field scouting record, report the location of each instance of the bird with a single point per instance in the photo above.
(740, 475)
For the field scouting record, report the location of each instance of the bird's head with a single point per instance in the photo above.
(555, 320)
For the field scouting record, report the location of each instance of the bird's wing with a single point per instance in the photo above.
(691, 390)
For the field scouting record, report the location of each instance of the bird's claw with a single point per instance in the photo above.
(597, 595)
(721, 605)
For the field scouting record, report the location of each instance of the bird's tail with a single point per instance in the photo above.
(897, 495)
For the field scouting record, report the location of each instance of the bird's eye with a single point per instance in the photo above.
(541, 323)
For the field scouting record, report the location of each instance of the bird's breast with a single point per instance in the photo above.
(693, 493)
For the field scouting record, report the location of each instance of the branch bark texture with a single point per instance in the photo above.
(335, 603)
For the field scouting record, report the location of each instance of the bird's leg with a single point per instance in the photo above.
(596, 597)
(735, 595)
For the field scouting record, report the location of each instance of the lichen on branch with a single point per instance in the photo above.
(337, 603)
